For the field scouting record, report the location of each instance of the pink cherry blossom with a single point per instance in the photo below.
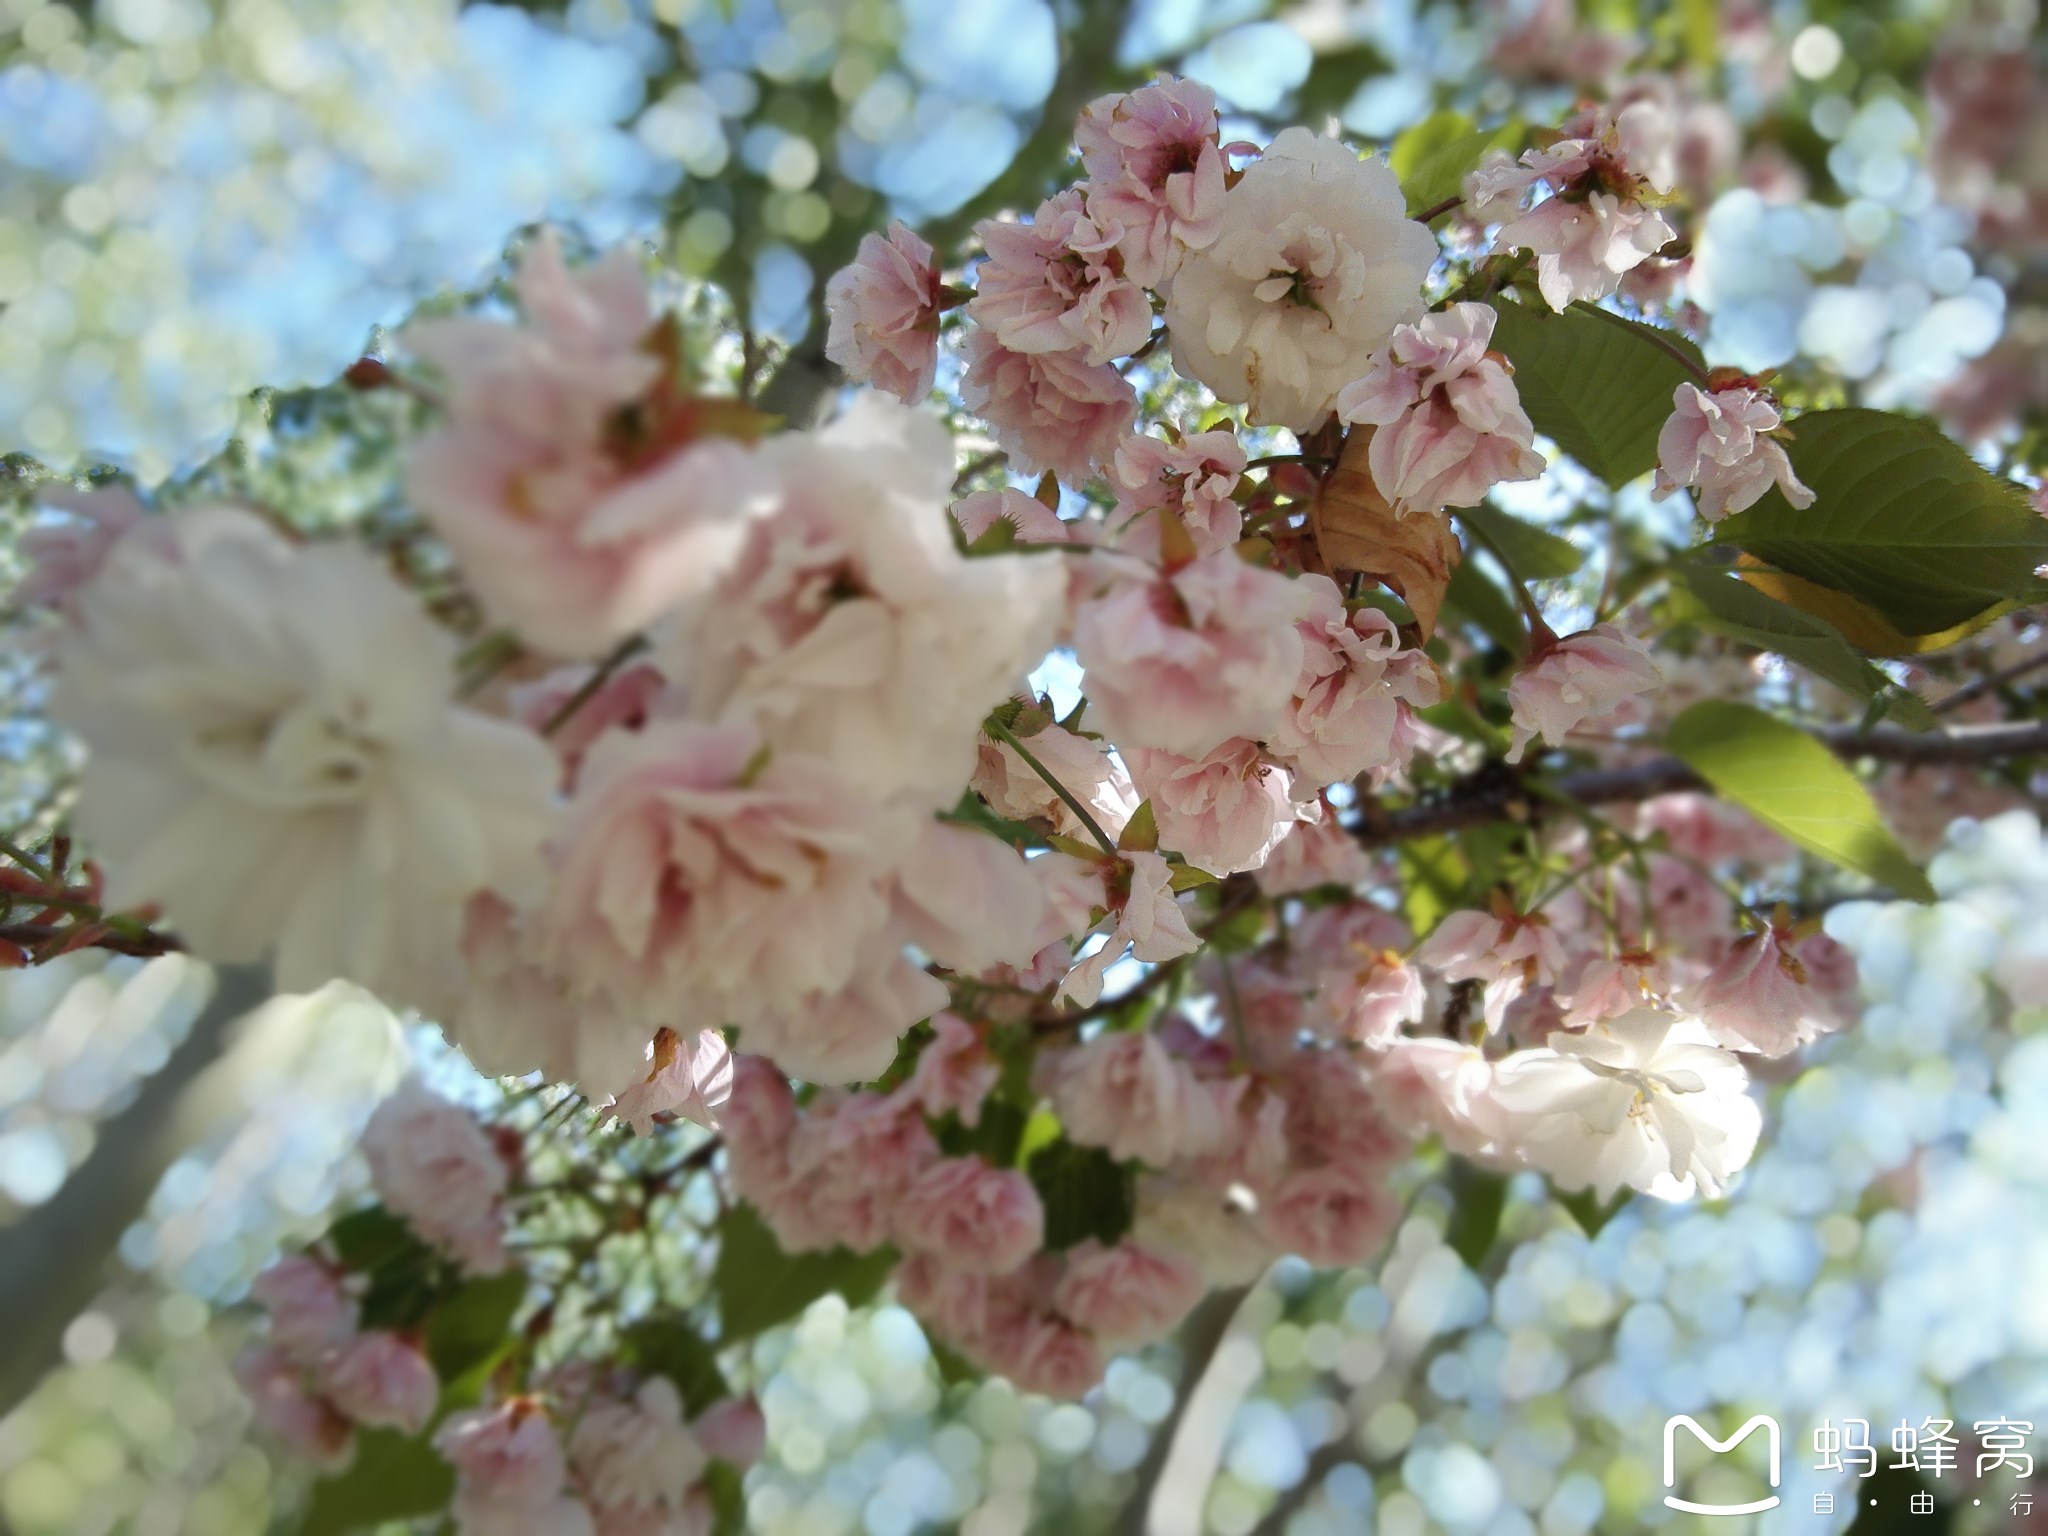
(1223, 812)
(60, 557)
(850, 1036)
(1332, 1215)
(1030, 519)
(571, 533)
(1186, 662)
(622, 701)
(383, 1381)
(1445, 1087)
(637, 1450)
(1124, 1093)
(1315, 850)
(1352, 714)
(518, 1014)
(309, 1311)
(1049, 411)
(733, 1430)
(689, 1079)
(977, 1218)
(1509, 952)
(702, 874)
(1579, 678)
(849, 1162)
(1594, 226)
(1371, 1001)
(1128, 1294)
(970, 901)
(1045, 1354)
(883, 315)
(1149, 923)
(952, 1301)
(1193, 480)
(1154, 172)
(1608, 987)
(1056, 285)
(1016, 790)
(1719, 445)
(955, 1072)
(1450, 421)
(1760, 998)
(433, 1165)
(308, 1426)
(509, 1471)
(850, 626)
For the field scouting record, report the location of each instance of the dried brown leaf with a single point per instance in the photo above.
(1356, 530)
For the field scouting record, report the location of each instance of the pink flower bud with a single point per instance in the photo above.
(309, 1312)
(383, 1381)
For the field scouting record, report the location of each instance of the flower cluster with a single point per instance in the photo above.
(1602, 181)
(318, 1375)
(632, 1462)
(701, 766)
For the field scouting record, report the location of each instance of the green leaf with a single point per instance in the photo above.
(1733, 608)
(1477, 599)
(993, 1137)
(727, 1486)
(954, 1368)
(1596, 384)
(1902, 518)
(1435, 875)
(1480, 1196)
(1433, 158)
(1588, 1212)
(759, 1286)
(669, 1346)
(1795, 786)
(467, 1326)
(393, 1477)
(1087, 1193)
(1334, 78)
(1141, 832)
(372, 1238)
(1536, 553)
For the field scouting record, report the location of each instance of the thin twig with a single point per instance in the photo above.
(1491, 795)
(1432, 214)
(621, 653)
(1978, 687)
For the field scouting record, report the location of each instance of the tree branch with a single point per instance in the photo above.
(1201, 1336)
(55, 1258)
(1498, 793)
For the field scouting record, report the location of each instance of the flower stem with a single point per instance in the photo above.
(621, 653)
(1008, 738)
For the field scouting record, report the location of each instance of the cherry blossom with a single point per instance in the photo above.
(1154, 172)
(1760, 998)
(884, 315)
(1450, 421)
(1597, 222)
(1192, 481)
(1352, 715)
(1186, 662)
(569, 475)
(1315, 264)
(382, 1381)
(1571, 681)
(1051, 412)
(1223, 812)
(1645, 1101)
(1509, 951)
(980, 1219)
(276, 757)
(1718, 444)
(1149, 925)
(1056, 285)
(433, 1165)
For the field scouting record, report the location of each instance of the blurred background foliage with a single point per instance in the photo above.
(207, 210)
